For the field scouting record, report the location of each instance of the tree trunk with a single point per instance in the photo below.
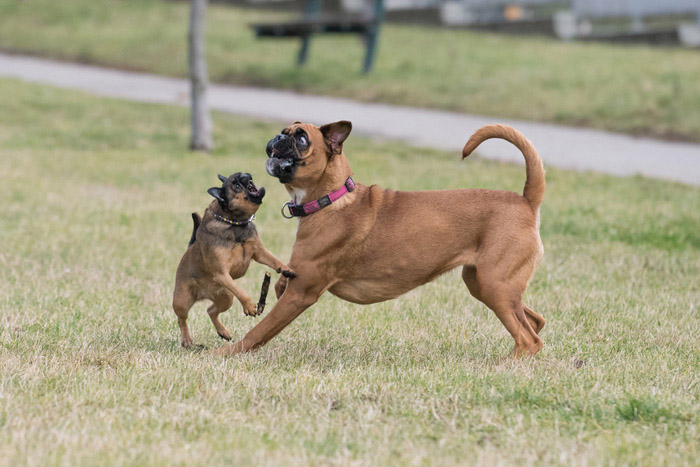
(199, 81)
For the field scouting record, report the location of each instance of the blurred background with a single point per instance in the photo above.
(622, 66)
(539, 60)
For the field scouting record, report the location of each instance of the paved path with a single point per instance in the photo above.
(568, 148)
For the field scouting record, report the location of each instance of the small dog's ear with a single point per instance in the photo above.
(335, 134)
(222, 178)
(218, 194)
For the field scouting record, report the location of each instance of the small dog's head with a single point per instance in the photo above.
(302, 151)
(238, 195)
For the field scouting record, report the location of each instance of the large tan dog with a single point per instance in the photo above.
(366, 244)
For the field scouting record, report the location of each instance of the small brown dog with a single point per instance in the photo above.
(365, 244)
(220, 250)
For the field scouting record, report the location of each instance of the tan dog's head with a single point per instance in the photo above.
(238, 195)
(302, 151)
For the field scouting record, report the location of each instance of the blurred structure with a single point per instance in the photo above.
(625, 20)
(498, 12)
(357, 18)
(200, 116)
(653, 21)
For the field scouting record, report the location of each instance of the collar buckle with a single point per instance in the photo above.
(350, 184)
(288, 205)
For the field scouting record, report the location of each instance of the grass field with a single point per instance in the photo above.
(96, 197)
(637, 89)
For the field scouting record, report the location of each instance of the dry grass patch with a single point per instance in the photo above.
(96, 201)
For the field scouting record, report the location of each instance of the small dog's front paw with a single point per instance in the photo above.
(186, 342)
(287, 272)
(250, 309)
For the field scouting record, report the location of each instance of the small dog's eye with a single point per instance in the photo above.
(302, 140)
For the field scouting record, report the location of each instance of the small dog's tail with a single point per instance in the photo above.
(196, 218)
(534, 184)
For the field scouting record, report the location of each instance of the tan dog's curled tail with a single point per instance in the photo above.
(534, 184)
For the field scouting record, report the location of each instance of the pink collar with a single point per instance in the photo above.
(301, 210)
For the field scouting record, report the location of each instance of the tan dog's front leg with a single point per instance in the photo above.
(295, 300)
(249, 307)
(263, 256)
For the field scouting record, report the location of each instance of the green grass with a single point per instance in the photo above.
(96, 196)
(635, 89)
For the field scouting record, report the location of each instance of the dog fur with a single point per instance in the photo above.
(219, 253)
(375, 244)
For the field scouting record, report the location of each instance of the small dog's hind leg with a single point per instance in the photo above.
(182, 302)
(222, 303)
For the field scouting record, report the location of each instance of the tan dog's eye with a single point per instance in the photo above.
(302, 140)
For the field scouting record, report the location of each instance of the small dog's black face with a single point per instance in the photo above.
(238, 195)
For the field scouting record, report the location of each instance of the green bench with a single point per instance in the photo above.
(314, 22)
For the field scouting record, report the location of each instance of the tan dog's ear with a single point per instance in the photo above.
(335, 134)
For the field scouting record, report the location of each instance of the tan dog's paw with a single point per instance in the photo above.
(221, 351)
(186, 342)
(224, 334)
(228, 349)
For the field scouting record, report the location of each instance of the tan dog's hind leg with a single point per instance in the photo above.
(504, 300)
(536, 320)
(182, 302)
(222, 303)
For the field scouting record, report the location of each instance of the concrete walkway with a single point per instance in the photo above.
(567, 148)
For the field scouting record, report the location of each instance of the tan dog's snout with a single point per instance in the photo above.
(283, 155)
(283, 169)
